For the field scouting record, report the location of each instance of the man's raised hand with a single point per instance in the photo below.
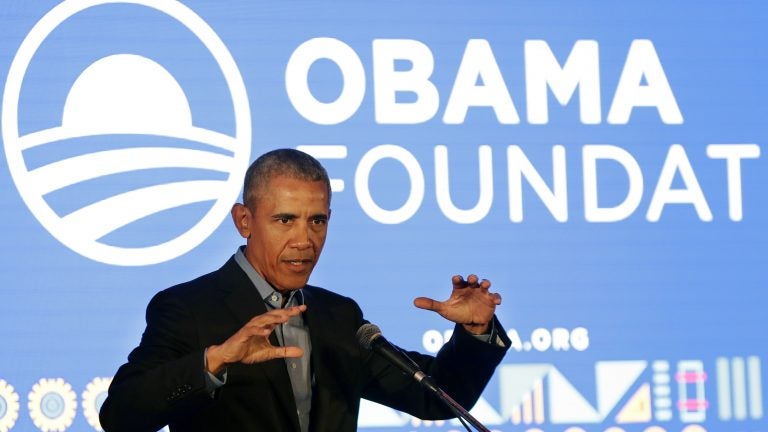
(470, 304)
(251, 343)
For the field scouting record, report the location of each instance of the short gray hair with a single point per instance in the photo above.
(285, 162)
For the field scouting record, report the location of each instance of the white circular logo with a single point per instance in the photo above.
(129, 95)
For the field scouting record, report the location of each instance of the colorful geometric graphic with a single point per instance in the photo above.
(662, 391)
(638, 408)
(739, 388)
(691, 402)
(523, 396)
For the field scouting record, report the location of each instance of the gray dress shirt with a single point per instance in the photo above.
(293, 333)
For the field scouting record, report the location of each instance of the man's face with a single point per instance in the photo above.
(285, 231)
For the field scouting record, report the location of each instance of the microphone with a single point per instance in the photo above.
(369, 336)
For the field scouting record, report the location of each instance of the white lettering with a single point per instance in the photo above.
(297, 85)
(733, 154)
(479, 64)
(416, 175)
(560, 338)
(442, 187)
(556, 199)
(405, 66)
(642, 61)
(514, 337)
(541, 339)
(677, 161)
(432, 341)
(552, 194)
(580, 338)
(581, 69)
(388, 81)
(592, 211)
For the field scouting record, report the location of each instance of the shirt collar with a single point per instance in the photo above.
(271, 297)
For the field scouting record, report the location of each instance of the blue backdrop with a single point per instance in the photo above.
(602, 164)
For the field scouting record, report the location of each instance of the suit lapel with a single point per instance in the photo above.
(243, 300)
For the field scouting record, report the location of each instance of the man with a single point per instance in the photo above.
(252, 347)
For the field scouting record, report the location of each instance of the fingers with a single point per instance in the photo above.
(472, 282)
(251, 344)
(427, 303)
(264, 324)
(286, 352)
(458, 282)
(268, 352)
(496, 298)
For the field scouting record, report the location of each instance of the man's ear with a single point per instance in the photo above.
(241, 216)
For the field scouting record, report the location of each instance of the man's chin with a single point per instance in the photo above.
(291, 285)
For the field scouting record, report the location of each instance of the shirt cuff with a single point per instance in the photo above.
(492, 336)
(213, 382)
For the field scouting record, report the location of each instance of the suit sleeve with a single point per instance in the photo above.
(462, 368)
(164, 376)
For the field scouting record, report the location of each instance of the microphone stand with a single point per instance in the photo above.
(457, 409)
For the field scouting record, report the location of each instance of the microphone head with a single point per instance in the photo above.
(367, 333)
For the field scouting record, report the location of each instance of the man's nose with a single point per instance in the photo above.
(301, 237)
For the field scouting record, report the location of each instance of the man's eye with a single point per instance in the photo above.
(319, 221)
(284, 220)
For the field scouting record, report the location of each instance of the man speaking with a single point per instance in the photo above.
(252, 347)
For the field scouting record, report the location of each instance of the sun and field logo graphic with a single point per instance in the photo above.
(123, 149)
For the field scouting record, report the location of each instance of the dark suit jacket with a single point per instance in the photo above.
(164, 380)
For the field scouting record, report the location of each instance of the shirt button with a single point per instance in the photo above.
(274, 297)
(293, 365)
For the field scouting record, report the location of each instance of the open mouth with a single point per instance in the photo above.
(299, 263)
